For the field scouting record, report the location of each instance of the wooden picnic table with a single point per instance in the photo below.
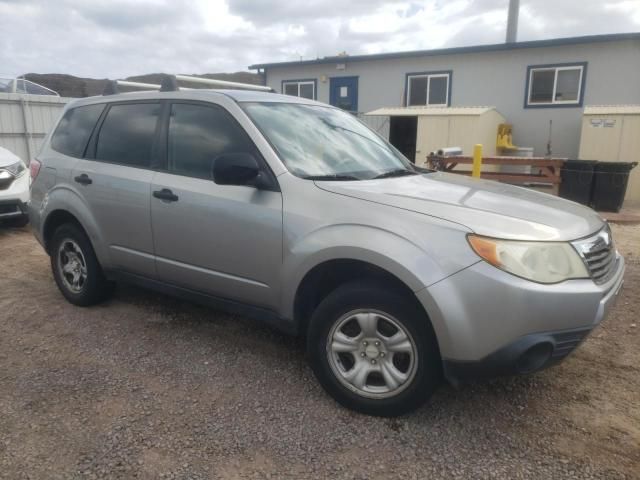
(546, 170)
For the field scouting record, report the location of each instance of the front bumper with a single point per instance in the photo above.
(490, 323)
(12, 209)
(14, 199)
(525, 355)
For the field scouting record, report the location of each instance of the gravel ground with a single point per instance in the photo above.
(149, 387)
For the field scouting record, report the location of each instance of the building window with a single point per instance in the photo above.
(300, 88)
(429, 88)
(555, 85)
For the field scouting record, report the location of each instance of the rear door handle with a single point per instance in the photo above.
(165, 194)
(83, 179)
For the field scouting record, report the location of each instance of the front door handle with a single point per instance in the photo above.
(83, 179)
(165, 194)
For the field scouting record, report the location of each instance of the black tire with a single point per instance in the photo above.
(405, 311)
(96, 287)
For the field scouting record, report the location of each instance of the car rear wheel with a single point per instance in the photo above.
(373, 349)
(76, 269)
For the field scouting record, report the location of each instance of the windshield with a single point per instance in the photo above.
(320, 143)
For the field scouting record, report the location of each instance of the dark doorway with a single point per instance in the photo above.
(402, 135)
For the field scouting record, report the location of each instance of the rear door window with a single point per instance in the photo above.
(200, 133)
(73, 131)
(127, 134)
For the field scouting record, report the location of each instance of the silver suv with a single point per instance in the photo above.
(295, 213)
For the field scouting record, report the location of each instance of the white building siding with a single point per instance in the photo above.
(496, 78)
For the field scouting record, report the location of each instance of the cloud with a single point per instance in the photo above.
(128, 37)
(130, 16)
(269, 12)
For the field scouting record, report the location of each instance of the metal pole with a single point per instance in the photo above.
(477, 160)
(27, 133)
(512, 21)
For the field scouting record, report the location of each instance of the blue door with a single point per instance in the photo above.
(343, 93)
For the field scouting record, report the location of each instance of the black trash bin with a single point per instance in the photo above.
(577, 180)
(610, 185)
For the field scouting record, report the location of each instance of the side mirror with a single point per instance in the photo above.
(236, 169)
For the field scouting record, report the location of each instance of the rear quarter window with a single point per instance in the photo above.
(75, 127)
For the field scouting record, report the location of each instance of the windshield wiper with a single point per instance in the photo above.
(330, 177)
(400, 172)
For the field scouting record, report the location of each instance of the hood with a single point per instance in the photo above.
(7, 158)
(486, 207)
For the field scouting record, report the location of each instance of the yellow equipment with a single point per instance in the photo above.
(505, 139)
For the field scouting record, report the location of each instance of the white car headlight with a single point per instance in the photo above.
(15, 168)
(543, 262)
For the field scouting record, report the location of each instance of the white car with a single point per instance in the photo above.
(14, 189)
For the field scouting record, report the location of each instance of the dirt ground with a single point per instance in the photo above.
(145, 386)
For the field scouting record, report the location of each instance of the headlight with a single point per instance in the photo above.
(15, 168)
(543, 262)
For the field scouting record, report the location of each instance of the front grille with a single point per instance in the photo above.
(599, 254)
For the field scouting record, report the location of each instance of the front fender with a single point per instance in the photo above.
(382, 248)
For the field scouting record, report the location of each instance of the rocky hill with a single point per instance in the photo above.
(70, 86)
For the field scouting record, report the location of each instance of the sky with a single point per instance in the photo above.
(120, 38)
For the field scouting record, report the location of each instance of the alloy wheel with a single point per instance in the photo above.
(72, 265)
(372, 354)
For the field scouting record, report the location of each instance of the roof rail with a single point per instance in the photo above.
(148, 86)
(223, 83)
(111, 88)
(170, 84)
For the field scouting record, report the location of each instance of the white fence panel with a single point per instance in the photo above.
(26, 119)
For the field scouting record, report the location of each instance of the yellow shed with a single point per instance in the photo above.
(417, 131)
(611, 133)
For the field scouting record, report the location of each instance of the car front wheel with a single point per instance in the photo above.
(373, 349)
